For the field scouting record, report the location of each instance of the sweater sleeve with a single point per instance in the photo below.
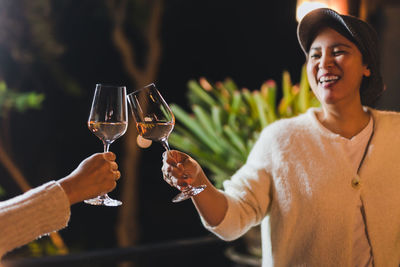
(37, 212)
(247, 194)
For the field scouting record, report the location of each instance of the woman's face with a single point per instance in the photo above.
(335, 69)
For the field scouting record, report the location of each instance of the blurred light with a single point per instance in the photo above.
(142, 142)
(305, 6)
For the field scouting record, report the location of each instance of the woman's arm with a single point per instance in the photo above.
(46, 208)
(180, 170)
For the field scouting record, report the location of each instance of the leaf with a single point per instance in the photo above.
(304, 94)
(268, 91)
(216, 119)
(205, 121)
(236, 100)
(223, 95)
(285, 109)
(260, 108)
(199, 92)
(251, 102)
(194, 127)
(207, 159)
(286, 85)
(183, 142)
(230, 85)
(236, 140)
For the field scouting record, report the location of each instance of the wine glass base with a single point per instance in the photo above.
(103, 201)
(186, 194)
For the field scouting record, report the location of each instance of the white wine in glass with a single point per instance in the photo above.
(156, 131)
(108, 120)
(155, 121)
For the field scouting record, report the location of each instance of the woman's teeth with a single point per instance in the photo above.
(330, 78)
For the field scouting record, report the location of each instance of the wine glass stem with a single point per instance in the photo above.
(106, 146)
(165, 144)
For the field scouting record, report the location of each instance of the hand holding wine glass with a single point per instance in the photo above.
(108, 120)
(155, 121)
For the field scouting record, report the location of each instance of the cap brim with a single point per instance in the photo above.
(313, 20)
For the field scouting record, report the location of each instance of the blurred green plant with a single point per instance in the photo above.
(226, 121)
(42, 247)
(20, 101)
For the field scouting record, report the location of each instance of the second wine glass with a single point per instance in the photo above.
(155, 121)
(108, 120)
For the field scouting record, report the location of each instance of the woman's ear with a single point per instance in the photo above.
(367, 72)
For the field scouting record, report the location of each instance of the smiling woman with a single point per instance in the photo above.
(322, 185)
(339, 66)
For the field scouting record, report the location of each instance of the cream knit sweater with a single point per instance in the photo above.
(37, 212)
(298, 174)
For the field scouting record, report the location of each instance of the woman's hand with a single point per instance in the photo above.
(180, 170)
(96, 175)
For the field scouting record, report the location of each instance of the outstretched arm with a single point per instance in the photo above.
(47, 208)
(181, 170)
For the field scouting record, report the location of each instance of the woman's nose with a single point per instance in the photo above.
(326, 61)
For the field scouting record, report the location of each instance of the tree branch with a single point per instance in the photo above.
(128, 56)
(13, 170)
(153, 40)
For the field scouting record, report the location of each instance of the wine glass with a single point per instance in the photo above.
(108, 120)
(155, 121)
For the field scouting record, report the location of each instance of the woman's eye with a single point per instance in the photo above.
(314, 56)
(338, 53)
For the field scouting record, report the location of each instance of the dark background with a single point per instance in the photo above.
(249, 41)
(214, 39)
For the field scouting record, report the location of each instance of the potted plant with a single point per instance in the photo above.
(225, 122)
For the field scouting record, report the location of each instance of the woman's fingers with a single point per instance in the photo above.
(109, 156)
(117, 175)
(177, 169)
(114, 165)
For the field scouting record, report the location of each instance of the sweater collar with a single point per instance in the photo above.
(312, 114)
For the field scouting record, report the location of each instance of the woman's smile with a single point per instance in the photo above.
(328, 80)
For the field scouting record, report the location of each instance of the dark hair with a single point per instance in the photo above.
(355, 30)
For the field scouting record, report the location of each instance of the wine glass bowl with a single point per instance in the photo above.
(108, 132)
(108, 120)
(154, 118)
(155, 121)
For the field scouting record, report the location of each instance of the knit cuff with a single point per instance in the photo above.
(37, 212)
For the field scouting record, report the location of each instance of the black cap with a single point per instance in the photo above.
(357, 31)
